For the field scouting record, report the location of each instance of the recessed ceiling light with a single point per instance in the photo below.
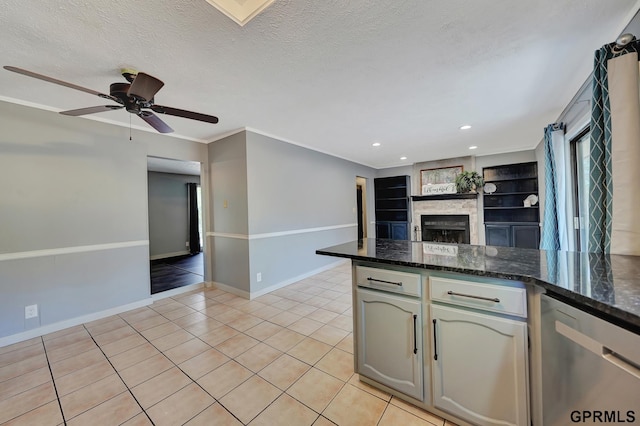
(465, 127)
(376, 144)
(473, 147)
(403, 158)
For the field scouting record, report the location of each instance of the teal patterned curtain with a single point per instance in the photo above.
(600, 180)
(550, 239)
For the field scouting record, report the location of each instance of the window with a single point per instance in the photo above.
(580, 163)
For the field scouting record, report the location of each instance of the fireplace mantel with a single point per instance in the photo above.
(468, 196)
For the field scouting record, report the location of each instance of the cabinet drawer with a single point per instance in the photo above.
(388, 280)
(487, 297)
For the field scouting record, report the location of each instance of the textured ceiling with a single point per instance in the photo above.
(334, 76)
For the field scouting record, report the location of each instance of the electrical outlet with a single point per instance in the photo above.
(259, 276)
(186, 244)
(30, 311)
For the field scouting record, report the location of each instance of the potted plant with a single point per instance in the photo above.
(469, 182)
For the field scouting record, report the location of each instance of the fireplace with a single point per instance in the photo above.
(450, 228)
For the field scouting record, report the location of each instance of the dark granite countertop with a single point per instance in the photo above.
(604, 285)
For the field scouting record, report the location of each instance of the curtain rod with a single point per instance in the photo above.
(621, 42)
(624, 39)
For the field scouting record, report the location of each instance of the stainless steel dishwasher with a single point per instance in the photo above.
(590, 368)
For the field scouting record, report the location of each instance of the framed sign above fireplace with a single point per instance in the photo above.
(439, 181)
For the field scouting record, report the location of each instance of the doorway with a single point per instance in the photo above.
(175, 211)
(361, 206)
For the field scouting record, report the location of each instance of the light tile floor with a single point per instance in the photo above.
(206, 357)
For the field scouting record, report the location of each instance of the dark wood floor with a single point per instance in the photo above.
(176, 272)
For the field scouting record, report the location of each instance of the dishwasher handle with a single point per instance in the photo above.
(598, 348)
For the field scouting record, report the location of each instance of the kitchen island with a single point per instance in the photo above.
(459, 329)
(606, 285)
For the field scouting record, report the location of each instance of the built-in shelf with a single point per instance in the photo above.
(507, 221)
(444, 197)
(503, 179)
(392, 207)
(498, 194)
(510, 207)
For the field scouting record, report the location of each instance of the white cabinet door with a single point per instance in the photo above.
(389, 339)
(479, 366)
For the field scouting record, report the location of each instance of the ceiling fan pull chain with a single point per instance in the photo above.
(130, 127)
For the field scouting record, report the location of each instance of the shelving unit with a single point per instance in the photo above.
(392, 207)
(507, 221)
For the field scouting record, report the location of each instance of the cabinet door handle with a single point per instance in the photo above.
(435, 342)
(386, 282)
(490, 299)
(415, 334)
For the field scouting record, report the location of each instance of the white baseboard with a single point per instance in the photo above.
(167, 255)
(230, 289)
(252, 295)
(72, 322)
(285, 283)
(176, 291)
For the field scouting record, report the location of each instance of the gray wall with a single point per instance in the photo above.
(395, 171)
(168, 213)
(70, 186)
(291, 187)
(294, 190)
(73, 216)
(228, 205)
(268, 200)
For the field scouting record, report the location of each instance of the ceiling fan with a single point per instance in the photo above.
(136, 97)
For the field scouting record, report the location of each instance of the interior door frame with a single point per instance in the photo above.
(204, 211)
(361, 205)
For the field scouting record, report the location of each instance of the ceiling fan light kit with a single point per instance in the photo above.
(136, 97)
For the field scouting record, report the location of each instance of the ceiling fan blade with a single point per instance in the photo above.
(144, 87)
(91, 110)
(155, 122)
(184, 113)
(56, 81)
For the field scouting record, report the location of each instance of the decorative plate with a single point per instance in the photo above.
(489, 188)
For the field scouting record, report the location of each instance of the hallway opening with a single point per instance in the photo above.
(176, 233)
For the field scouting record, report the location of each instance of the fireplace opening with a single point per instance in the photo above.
(450, 228)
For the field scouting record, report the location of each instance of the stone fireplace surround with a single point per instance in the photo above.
(447, 206)
(441, 207)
